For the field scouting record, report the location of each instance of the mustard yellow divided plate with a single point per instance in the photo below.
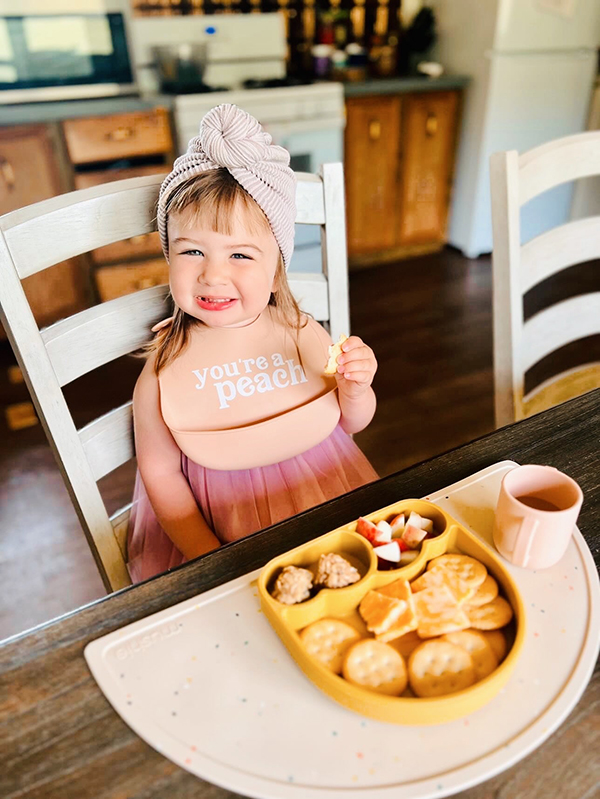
(342, 603)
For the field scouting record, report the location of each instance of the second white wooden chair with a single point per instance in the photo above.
(41, 235)
(518, 344)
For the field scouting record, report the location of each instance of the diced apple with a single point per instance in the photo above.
(384, 533)
(420, 521)
(367, 529)
(397, 524)
(390, 552)
(412, 536)
(408, 557)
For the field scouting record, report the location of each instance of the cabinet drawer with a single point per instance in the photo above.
(28, 168)
(115, 281)
(85, 180)
(119, 136)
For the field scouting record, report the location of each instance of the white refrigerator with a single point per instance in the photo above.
(533, 64)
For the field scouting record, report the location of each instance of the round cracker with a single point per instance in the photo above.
(377, 666)
(497, 640)
(327, 640)
(438, 668)
(491, 616)
(476, 644)
(487, 591)
(468, 569)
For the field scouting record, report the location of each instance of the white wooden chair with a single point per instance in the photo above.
(41, 235)
(515, 179)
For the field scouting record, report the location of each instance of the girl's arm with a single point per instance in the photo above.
(159, 462)
(356, 368)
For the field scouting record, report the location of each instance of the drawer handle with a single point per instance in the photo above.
(431, 125)
(8, 173)
(374, 129)
(120, 134)
(146, 283)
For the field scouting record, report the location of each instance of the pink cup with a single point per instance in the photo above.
(537, 510)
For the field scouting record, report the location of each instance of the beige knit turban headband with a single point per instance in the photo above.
(231, 138)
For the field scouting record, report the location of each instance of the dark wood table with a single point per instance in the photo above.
(59, 737)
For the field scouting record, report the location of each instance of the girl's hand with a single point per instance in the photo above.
(356, 367)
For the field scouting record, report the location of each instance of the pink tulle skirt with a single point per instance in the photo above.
(237, 503)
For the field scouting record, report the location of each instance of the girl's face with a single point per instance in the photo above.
(224, 280)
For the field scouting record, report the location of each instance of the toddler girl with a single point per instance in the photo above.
(236, 426)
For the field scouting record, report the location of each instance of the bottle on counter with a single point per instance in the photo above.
(321, 54)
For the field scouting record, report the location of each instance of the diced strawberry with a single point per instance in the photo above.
(389, 551)
(384, 533)
(402, 544)
(367, 529)
(412, 536)
(397, 524)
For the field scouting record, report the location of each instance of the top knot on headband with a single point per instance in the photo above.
(233, 139)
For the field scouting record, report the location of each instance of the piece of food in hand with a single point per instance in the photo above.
(375, 665)
(293, 585)
(367, 529)
(438, 668)
(470, 570)
(379, 612)
(327, 640)
(384, 532)
(334, 571)
(485, 660)
(412, 535)
(334, 351)
(397, 524)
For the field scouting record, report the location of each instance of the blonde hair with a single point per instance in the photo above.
(210, 198)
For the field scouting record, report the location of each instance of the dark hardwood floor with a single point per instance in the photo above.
(429, 323)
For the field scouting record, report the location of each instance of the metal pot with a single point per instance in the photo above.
(180, 66)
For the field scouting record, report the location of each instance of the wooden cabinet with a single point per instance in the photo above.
(372, 150)
(117, 147)
(30, 172)
(399, 157)
(429, 133)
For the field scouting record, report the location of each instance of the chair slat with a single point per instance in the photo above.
(93, 337)
(573, 243)
(108, 440)
(567, 321)
(558, 161)
(310, 292)
(333, 247)
(75, 223)
(47, 233)
(561, 388)
(310, 208)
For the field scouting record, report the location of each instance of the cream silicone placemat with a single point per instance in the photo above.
(209, 685)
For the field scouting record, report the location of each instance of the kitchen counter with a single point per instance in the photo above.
(31, 113)
(403, 85)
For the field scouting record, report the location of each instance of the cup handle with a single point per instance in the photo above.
(524, 541)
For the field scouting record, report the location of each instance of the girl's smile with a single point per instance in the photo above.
(215, 303)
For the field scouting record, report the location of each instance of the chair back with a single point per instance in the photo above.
(36, 237)
(518, 344)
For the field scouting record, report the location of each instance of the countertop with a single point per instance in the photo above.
(31, 113)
